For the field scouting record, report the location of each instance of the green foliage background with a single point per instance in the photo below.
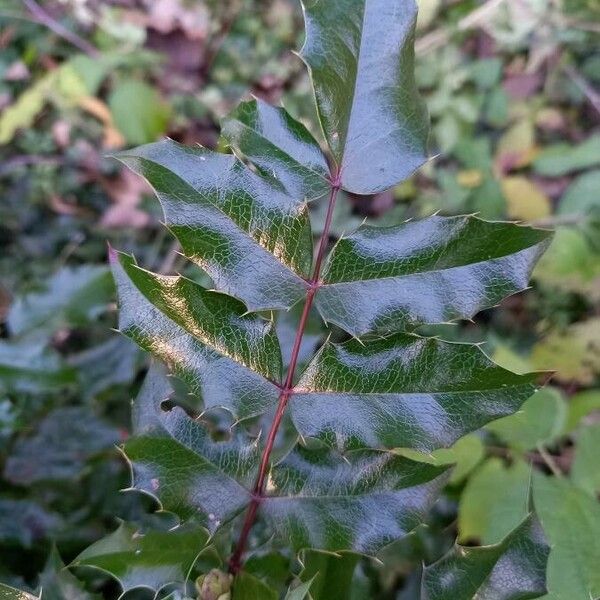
(511, 89)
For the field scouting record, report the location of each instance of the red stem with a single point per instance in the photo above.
(258, 492)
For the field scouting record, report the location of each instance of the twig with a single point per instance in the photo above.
(558, 220)
(549, 461)
(439, 37)
(219, 38)
(581, 82)
(42, 17)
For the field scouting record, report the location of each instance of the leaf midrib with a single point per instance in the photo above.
(434, 271)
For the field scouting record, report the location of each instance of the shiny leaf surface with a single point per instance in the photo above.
(403, 391)
(360, 56)
(175, 459)
(250, 236)
(317, 499)
(360, 501)
(206, 338)
(434, 270)
(151, 560)
(280, 147)
(514, 569)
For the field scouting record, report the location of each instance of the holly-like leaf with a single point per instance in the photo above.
(151, 560)
(318, 499)
(175, 459)
(227, 356)
(245, 231)
(429, 271)
(403, 391)
(360, 57)
(514, 569)
(359, 502)
(281, 147)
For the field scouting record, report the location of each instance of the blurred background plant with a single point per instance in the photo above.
(512, 88)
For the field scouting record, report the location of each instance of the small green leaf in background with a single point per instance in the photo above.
(464, 456)
(140, 114)
(73, 295)
(151, 560)
(571, 520)
(570, 264)
(581, 197)
(581, 405)
(584, 470)
(562, 159)
(513, 569)
(494, 501)
(541, 420)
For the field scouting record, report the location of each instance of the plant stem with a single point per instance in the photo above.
(258, 492)
(44, 18)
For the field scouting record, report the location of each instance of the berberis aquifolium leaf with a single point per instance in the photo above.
(318, 499)
(247, 226)
(403, 391)
(514, 569)
(226, 356)
(360, 55)
(148, 560)
(429, 271)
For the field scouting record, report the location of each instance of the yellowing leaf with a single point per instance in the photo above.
(516, 148)
(525, 200)
(112, 136)
(574, 353)
(570, 264)
(471, 178)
